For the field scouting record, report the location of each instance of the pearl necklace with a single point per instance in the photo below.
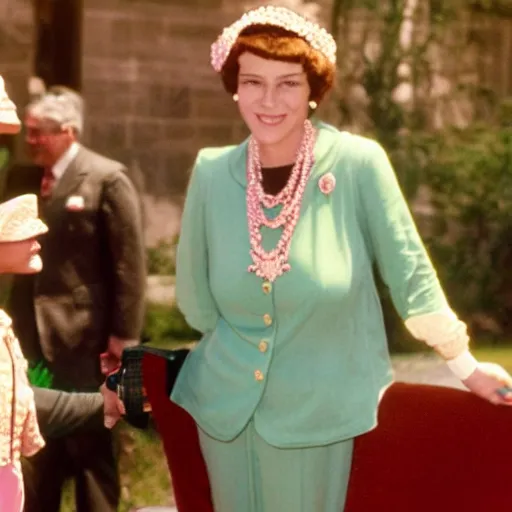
(270, 265)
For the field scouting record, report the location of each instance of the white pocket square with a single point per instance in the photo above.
(75, 203)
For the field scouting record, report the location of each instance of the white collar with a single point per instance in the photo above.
(63, 162)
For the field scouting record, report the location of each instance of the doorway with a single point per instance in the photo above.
(58, 42)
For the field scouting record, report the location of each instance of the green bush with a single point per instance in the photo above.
(161, 258)
(468, 235)
(470, 175)
(165, 324)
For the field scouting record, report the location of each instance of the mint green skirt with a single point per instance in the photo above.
(249, 475)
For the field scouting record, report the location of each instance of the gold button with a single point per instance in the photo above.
(258, 375)
(267, 287)
(263, 346)
(267, 319)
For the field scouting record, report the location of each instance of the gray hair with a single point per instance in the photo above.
(61, 105)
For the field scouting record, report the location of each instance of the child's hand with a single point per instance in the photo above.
(113, 408)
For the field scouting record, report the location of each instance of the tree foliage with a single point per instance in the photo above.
(470, 176)
(446, 137)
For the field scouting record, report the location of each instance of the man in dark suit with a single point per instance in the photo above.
(87, 303)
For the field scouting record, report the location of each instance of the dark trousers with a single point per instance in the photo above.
(90, 459)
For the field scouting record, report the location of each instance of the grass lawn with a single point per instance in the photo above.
(145, 478)
(500, 355)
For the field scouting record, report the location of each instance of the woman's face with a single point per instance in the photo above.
(20, 257)
(273, 100)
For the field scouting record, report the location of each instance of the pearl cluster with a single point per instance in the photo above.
(270, 265)
(316, 36)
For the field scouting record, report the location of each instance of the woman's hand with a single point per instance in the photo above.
(491, 382)
(113, 408)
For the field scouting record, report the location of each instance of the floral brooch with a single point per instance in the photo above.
(327, 183)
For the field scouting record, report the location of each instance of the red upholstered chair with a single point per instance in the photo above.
(180, 440)
(435, 449)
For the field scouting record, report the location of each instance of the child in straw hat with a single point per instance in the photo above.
(19, 431)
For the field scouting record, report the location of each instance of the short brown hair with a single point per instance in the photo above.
(270, 42)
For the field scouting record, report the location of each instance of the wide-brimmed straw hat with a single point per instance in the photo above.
(19, 219)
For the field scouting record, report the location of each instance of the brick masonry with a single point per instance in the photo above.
(152, 99)
(16, 43)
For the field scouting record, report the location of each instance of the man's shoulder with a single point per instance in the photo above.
(105, 170)
(98, 162)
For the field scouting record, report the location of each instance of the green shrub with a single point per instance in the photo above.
(470, 175)
(161, 258)
(165, 324)
(468, 234)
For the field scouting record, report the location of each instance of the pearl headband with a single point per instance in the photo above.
(317, 37)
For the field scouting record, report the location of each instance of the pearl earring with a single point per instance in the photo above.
(235, 97)
(313, 105)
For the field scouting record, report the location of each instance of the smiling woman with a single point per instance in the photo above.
(275, 260)
(273, 101)
(277, 78)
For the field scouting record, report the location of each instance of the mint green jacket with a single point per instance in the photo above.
(307, 359)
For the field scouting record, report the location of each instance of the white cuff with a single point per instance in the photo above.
(437, 329)
(463, 365)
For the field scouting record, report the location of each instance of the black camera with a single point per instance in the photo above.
(128, 381)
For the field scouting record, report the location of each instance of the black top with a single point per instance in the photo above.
(275, 178)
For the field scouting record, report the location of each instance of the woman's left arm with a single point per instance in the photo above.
(405, 266)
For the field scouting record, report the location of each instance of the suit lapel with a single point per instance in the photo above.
(72, 177)
(52, 208)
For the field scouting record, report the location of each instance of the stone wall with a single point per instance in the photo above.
(152, 98)
(16, 44)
